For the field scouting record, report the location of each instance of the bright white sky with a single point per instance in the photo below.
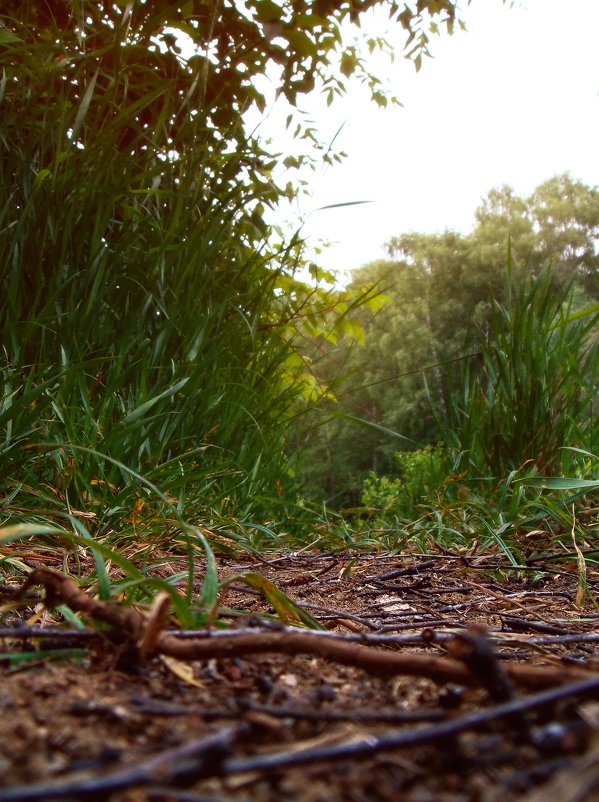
(514, 100)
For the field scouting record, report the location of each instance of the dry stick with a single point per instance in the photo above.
(355, 716)
(524, 625)
(189, 761)
(420, 623)
(478, 653)
(152, 707)
(479, 564)
(62, 590)
(37, 632)
(26, 632)
(553, 640)
(205, 757)
(398, 740)
(410, 570)
(426, 635)
(476, 650)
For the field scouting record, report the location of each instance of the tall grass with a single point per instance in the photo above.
(139, 317)
(532, 396)
(521, 419)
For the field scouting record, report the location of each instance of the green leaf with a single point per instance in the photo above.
(142, 409)
(208, 598)
(267, 11)
(104, 587)
(72, 618)
(588, 310)
(287, 610)
(348, 65)
(84, 106)
(8, 37)
(370, 424)
(341, 205)
(17, 658)
(560, 483)
(301, 43)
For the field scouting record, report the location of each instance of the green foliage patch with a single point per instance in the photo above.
(147, 314)
(159, 348)
(532, 394)
(443, 331)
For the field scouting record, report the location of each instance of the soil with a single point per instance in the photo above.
(118, 723)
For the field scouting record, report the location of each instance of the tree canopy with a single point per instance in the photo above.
(131, 53)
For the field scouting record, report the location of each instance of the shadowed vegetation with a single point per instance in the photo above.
(160, 348)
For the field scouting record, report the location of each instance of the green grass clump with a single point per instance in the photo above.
(148, 319)
(141, 319)
(532, 395)
(521, 421)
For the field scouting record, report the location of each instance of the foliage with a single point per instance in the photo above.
(150, 319)
(533, 394)
(147, 315)
(419, 346)
(132, 314)
(511, 424)
(154, 330)
(422, 474)
(587, 466)
(298, 46)
(510, 520)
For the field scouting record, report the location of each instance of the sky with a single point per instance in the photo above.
(514, 100)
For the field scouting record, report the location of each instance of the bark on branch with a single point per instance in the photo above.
(134, 625)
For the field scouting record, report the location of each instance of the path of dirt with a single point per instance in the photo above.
(268, 726)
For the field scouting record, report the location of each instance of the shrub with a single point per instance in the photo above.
(422, 476)
(532, 393)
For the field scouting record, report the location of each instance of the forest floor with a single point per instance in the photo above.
(442, 679)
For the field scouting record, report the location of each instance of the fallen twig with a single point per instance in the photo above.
(355, 716)
(132, 623)
(191, 761)
(426, 735)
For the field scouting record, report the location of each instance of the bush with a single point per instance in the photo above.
(422, 476)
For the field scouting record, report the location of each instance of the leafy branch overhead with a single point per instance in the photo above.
(297, 46)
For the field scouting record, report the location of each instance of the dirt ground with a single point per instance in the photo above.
(500, 703)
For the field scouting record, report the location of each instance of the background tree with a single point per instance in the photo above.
(442, 292)
(557, 223)
(565, 215)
